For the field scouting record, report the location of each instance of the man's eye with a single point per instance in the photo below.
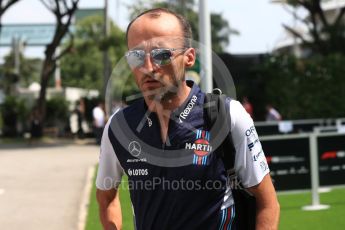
(137, 53)
(163, 55)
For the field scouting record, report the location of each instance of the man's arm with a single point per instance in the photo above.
(249, 162)
(109, 209)
(267, 206)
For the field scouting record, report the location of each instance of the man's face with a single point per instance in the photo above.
(162, 69)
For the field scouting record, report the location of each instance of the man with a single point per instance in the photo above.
(98, 116)
(168, 124)
(272, 114)
(248, 106)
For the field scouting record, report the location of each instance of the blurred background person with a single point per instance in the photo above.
(77, 118)
(98, 115)
(247, 106)
(36, 129)
(272, 114)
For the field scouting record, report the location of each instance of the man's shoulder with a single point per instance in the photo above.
(228, 101)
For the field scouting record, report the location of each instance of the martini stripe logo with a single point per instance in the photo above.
(200, 160)
(201, 147)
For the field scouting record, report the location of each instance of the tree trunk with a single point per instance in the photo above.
(63, 13)
(47, 70)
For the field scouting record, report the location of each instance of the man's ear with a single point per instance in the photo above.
(189, 57)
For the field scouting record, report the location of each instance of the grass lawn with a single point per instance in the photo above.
(292, 217)
(93, 222)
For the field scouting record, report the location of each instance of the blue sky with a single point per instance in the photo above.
(258, 21)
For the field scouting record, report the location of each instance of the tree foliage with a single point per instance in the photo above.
(57, 111)
(13, 111)
(29, 70)
(306, 88)
(84, 65)
(327, 33)
(220, 29)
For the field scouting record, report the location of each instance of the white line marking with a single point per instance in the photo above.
(324, 190)
(85, 198)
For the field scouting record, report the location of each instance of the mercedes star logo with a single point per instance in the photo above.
(134, 148)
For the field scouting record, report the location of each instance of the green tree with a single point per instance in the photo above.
(326, 28)
(14, 111)
(83, 67)
(5, 81)
(305, 88)
(29, 69)
(220, 29)
(57, 112)
(63, 10)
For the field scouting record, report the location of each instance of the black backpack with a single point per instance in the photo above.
(217, 117)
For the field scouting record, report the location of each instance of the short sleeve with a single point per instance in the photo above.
(250, 161)
(109, 170)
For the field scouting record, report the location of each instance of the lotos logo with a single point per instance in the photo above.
(201, 147)
(138, 172)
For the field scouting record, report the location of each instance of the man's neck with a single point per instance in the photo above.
(169, 102)
(164, 107)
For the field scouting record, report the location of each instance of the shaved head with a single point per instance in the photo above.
(157, 13)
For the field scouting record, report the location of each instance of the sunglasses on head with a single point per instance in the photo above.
(160, 56)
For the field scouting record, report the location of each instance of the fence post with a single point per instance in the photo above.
(314, 163)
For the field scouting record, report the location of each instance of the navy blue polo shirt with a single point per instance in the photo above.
(179, 184)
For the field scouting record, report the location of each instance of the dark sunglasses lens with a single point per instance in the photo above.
(135, 58)
(161, 56)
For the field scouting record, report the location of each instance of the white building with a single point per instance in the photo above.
(71, 94)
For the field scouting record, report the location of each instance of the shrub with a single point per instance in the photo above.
(56, 111)
(306, 88)
(14, 113)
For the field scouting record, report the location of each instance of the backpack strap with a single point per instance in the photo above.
(217, 117)
(218, 122)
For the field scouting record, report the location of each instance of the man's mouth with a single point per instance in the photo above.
(151, 81)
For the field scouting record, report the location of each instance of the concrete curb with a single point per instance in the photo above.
(85, 199)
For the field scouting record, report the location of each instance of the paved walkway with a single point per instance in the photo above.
(42, 187)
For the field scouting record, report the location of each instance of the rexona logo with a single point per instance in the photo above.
(201, 147)
(187, 110)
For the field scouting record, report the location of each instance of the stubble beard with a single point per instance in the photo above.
(168, 91)
(171, 91)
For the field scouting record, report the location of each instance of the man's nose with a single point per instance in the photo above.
(148, 65)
